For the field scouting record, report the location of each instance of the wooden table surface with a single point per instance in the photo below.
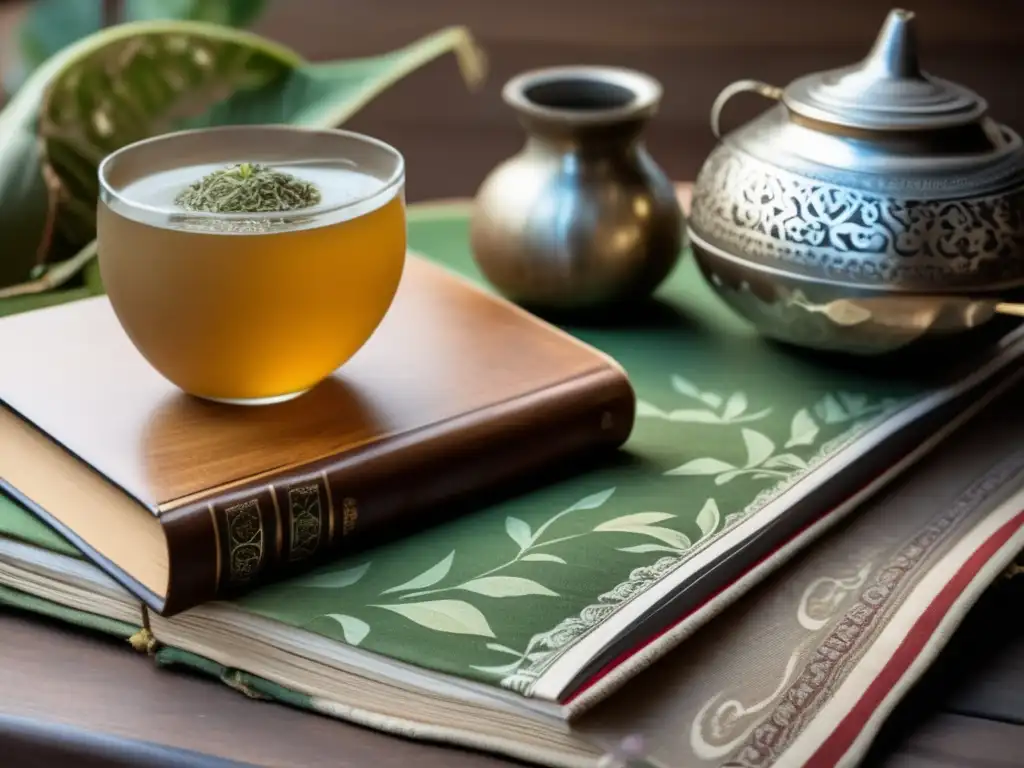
(72, 698)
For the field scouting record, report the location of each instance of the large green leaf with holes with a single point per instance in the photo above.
(51, 25)
(138, 80)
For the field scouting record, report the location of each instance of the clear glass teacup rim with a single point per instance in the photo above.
(388, 187)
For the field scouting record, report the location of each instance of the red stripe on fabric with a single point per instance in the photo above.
(840, 740)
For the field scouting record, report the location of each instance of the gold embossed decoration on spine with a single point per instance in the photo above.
(350, 515)
(245, 540)
(305, 521)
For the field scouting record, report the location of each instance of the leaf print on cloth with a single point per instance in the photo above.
(333, 579)
(518, 531)
(428, 578)
(709, 518)
(600, 587)
(672, 542)
(501, 669)
(545, 648)
(453, 616)
(643, 523)
(505, 586)
(845, 406)
(761, 462)
(675, 543)
(712, 408)
(352, 628)
(542, 557)
(803, 430)
(487, 583)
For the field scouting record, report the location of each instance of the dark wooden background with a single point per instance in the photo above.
(451, 138)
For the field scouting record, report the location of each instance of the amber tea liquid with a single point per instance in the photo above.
(252, 309)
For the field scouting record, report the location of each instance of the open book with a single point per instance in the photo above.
(500, 628)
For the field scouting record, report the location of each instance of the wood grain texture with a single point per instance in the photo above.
(52, 674)
(451, 138)
(34, 744)
(442, 353)
(999, 694)
(996, 635)
(948, 741)
(89, 682)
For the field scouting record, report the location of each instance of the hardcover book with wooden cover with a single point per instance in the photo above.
(186, 501)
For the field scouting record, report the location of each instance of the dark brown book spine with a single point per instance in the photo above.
(283, 523)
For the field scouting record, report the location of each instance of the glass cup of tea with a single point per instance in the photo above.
(248, 263)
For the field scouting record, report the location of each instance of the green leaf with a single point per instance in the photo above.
(694, 416)
(628, 522)
(756, 415)
(52, 25)
(759, 447)
(786, 460)
(711, 399)
(641, 549)
(428, 578)
(542, 557)
(353, 629)
(803, 430)
(643, 523)
(452, 616)
(708, 518)
(519, 532)
(503, 649)
(728, 477)
(854, 404)
(506, 586)
(735, 406)
(502, 669)
(685, 387)
(593, 501)
(333, 579)
(830, 411)
(137, 80)
(704, 466)
(645, 409)
(674, 539)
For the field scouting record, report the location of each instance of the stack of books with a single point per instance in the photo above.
(484, 526)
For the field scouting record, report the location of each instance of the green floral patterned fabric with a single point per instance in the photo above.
(723, 418)
(726, 422)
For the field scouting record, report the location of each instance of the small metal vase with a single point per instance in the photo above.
(874, 207)
(582, 218)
